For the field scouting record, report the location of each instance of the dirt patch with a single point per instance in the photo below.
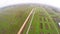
(48, 33)
(41, 32)
(41, 25)
(4, 31)
(46, 25)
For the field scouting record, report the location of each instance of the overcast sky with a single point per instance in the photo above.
(55, 3)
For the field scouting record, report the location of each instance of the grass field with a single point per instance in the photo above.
(43, 23)
(11, 19)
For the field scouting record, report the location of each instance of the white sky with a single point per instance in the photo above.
(55, 3)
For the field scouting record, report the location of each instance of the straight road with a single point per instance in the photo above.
(22, 27)
(30, 23)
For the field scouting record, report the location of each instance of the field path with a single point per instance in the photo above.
(22, 27)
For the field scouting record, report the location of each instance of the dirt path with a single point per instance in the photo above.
(22, 27)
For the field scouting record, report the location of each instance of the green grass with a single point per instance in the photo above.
(12, 19)
(39, 18)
